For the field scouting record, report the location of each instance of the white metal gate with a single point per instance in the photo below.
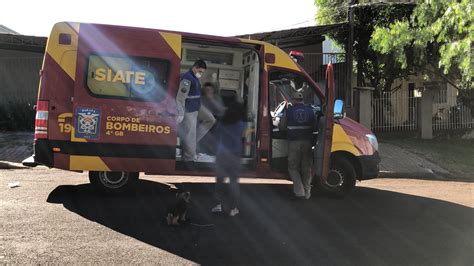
(395, 111)
(450, 113)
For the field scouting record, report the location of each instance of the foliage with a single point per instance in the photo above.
(378, 69)
(331, 12)
(438, 34)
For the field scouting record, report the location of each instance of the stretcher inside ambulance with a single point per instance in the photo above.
(107, 105)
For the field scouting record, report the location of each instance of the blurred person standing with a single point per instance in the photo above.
(228, 155)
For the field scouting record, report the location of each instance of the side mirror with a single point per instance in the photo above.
(338, 109)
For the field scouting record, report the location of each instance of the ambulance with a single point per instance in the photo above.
(106, 105)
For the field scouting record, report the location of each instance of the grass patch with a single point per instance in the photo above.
(455, 155)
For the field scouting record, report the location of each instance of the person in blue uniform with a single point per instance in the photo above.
(229, 152)
(299, 122)
(195, 119)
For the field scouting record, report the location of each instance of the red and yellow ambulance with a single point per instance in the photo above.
(106, 104)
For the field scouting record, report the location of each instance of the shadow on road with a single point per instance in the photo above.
(370, 227)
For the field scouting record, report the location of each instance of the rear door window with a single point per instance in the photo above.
(134, 78)
(283, 84)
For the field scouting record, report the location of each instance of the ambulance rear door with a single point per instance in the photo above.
(322, 151)
(124, 110)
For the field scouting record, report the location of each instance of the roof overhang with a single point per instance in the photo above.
(297, 36)
(23, 43)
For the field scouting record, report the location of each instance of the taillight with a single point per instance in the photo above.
(41, 122)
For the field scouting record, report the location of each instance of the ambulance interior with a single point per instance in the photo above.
(234, 72)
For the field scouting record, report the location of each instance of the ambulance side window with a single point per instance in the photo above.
(134, 78)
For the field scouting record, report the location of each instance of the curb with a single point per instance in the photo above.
(420, 175)
(410, 175)
(12, 165)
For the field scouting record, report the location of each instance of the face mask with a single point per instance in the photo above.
(198, 75)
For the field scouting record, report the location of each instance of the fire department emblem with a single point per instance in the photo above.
(87, 123)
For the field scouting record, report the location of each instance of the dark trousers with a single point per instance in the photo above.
(227, 165)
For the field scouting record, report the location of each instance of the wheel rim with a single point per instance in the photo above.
(335, 178)
(113, 179)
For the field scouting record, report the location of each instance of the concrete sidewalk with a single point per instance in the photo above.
(15, 146)
(398, 162)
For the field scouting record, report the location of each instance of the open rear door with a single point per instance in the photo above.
(323, 147)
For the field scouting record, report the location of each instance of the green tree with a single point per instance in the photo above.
(375, 69)
(435, 40)
(331, 12)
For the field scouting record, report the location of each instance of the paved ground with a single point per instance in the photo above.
(56, 217)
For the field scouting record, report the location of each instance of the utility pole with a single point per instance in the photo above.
(349, 52)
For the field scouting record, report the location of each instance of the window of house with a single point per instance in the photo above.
(441, 95)
(127, 77)
(440, 91)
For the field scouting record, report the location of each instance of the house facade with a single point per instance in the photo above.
(20, 62)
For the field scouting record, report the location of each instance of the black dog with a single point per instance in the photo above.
(177, 212)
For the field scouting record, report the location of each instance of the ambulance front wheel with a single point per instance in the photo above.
(113, 182)
(341, 179)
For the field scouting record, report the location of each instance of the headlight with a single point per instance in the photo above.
(373, 140)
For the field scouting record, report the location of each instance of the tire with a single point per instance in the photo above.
(341, 179)
(113, 182)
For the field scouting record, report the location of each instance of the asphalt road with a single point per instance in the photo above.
(56, 217)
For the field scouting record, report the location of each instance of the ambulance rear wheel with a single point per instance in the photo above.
(341, 178)
(113, 182)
